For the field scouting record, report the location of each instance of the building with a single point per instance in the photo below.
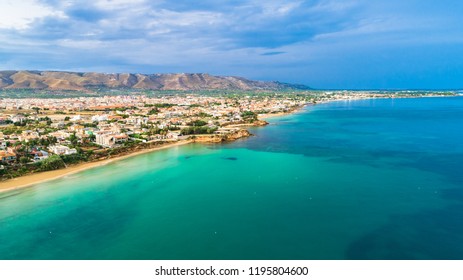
(76, 118)
(7, 157)
(60, 135)
(110, 139)
(76, 128)
(39, 155)
(62, 150)
(28, 135)
(172, 135)
(18, 118)
(99, 118)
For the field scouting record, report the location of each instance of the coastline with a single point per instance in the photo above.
(42, 177)
(280, 114)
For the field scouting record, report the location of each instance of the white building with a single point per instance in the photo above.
(99, 118)
(62, 150)
(76, 118)
(18, 118)
(110, 139)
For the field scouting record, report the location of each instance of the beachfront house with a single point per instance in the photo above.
(39, 155)
(7, 157)
(172, 135)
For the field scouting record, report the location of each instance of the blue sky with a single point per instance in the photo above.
(324, 44)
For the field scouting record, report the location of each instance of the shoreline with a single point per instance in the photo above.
(31, 180)
(280, 114)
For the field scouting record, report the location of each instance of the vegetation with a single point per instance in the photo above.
(198, 130)
(249, 116)
(203, 115)
(197, 123)
(74, 158)
(54, 162)
(153, 111)
(160, 105)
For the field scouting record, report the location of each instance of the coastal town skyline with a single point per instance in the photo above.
(323, 44)
(48, 130)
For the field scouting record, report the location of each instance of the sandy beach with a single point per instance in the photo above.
(41, 177)
(266, 116)
(37, 178)
(272, 115)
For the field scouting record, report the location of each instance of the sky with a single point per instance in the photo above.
(325, 44)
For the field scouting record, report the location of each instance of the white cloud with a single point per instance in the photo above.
(20, 14)
(118, 4)
(278, 8)
(165, 19)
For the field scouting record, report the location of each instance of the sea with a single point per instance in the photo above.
(365, 179)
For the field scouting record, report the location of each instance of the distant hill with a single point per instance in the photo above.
(55, 80)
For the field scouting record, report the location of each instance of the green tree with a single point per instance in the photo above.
(197, 123)
(249, 116)
(36, 109)
(23, 160)
(52, 163)
(73, 138)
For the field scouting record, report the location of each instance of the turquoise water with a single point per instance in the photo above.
(373, 179)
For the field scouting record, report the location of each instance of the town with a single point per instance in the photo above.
(45, 134)
(41, 134)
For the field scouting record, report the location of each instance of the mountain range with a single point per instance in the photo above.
(58, 80)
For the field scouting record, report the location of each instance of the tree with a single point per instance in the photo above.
(73, 138)
(198, 130)
(36, 109)
(52, 140)
(249, 116)
(52, 163)
(23, 160)
(20, 123)
(153, 111)
(197, 123)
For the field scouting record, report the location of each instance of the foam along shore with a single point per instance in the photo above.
(42, 177)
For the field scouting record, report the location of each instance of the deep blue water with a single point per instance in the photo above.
(371, 179)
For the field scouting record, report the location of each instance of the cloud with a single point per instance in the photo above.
(293, 40)
(19, 15)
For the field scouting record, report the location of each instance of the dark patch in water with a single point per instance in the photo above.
(453, 194)
(434, 235)
(231, 158)
(188, 157)
(446, 165)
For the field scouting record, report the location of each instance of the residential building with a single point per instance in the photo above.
(7, 157)
(62, 150)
